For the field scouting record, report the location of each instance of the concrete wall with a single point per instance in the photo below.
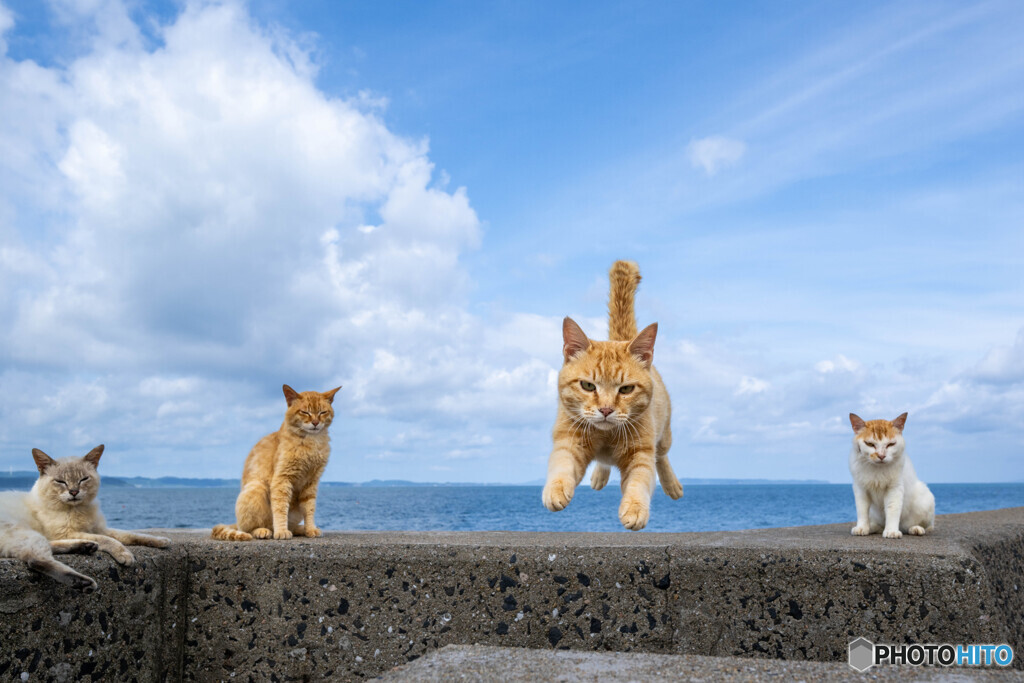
(357, 604)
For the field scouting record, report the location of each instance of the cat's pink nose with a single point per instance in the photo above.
(315, 423)
(606, 411)
(73, 492)
(881, 456)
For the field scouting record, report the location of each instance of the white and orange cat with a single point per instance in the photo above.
(281, 474)
(612, 408)
(60, 515)
(889, 496)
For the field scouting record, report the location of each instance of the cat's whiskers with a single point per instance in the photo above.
(632, 430)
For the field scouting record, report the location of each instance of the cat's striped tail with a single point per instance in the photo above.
(229, 532)
(625, 278)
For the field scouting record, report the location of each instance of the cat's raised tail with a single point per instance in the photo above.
(625, 278)
(229, 532)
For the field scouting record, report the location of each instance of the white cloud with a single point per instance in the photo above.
(715, 153)
(751, 385)
(212, 214)
(839, 364)
(1002, 364)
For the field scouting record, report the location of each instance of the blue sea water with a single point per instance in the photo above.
(519, 508)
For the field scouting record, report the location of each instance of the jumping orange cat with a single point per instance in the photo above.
(613, 408)
(281, 474)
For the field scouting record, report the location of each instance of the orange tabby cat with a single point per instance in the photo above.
(613, 408)
(282, 471)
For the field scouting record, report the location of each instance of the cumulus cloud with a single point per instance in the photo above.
(715, 153)
(187, 224)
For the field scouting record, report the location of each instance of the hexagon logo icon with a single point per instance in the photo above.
(862, 654)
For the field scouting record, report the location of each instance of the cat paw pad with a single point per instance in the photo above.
(283, 534)
(860, 531)
(84, 584)
(557, 494)
(634, 515)
(893, 533)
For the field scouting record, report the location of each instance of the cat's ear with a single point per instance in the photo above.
(93, 456)
(329, 395)
(43, 461)
(289, 394)
(899, 422)
(857, 423)
(642, 345)
(574, 341)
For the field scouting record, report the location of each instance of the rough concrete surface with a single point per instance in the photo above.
(356, 604)
(485, 663)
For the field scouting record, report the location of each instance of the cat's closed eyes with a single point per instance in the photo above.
(890, 498)
(613, 408)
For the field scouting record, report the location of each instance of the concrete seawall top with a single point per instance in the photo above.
(355, 604)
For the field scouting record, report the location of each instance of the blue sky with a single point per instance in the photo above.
(202, 201)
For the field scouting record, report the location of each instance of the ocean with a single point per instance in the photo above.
(519, 508)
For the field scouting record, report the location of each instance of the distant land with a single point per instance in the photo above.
(24, 479)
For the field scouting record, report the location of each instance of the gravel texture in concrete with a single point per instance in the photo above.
(355, 604)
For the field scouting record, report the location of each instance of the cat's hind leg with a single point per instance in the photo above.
(229, 532)
(33, 548)
(599, 477)
(133, 538)
(669, 482)
(252, 509)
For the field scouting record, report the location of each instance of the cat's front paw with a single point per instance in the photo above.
(634, 514)
(160, 542)
(860, 530)
(598, 478)
(262, 532)
(281, 535)
(557, 494)
(123, 557)
(313, 532)
(892, 533)
(916, 531)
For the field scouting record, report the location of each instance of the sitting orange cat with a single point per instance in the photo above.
(281, 474)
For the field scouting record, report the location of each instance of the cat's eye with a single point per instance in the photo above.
(60, 481)
(303, 412)
(891, 445)
(85, 478)
(587, 386)
(869, 444)
(628, 389)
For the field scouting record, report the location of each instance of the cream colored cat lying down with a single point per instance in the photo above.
(60, 515)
